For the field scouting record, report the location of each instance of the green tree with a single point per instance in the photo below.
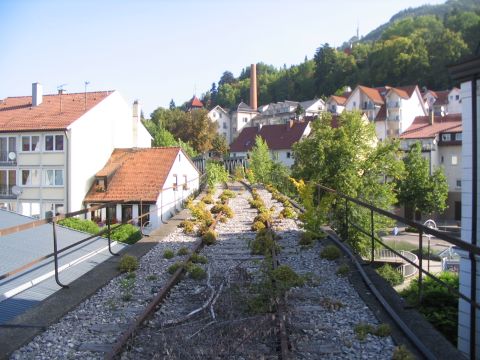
(260, 161)
(420, 191)
(163, 137)
(219, 145)
(172, 105)
(227, 78)
(350, 160)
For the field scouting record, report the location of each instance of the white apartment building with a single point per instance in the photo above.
(222, 118)
(51, 146)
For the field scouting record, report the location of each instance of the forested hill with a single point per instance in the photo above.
(438, 10)
(415, 47)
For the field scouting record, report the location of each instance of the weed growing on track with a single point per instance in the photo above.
(330, 252)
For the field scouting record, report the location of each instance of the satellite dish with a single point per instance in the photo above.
(12, 156)
(16, 190)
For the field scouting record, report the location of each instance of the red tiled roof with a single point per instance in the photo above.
(404, 92)
(195, 102)
(421, 127)
(340, 100)
(277, 137)
(442, 97)
(373, 93)
(140, 174)
(17, 113)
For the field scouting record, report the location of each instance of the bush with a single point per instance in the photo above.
(307, 238)
(330, 252)
(183, 251)
(128, 263)
(401, 353)
(256, 203)
(199, 211)
(257, 226)
(216, 174)
(224, 209)
(383, 330)
(196, 272)
(285, 278)
(362, 330)
(343, 270)
(438, 305)
(392, 276)
(87, 226)
(188, 226)
(229, 194)
(288, 213)
(208, 199)
(264, 217)
(174, 267)
(209, 237)
(198, 259)
(126, 233)
(264, 243)
(168, 254)
(239, 173)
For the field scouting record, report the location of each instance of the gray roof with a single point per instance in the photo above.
(245, 108)
(20, 248)
(308, 103)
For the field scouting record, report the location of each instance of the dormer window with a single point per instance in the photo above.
(446, 137)
(100, 184)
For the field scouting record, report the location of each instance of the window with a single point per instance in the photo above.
(454, 160)
(8, 144)
(221, 115)
(8, 179)
(31, 143)
(458, 136)
(30, 177)
(56, 209)
(457, 97)
(31, 209)
(288, 155)
(54, 177)
(354, 104)
(224, 125)
(446, 137)
(441, 159)
(459, 184)
(144, 210)
(245, 120)
(53, 142)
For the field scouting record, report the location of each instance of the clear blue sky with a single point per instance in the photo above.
(154, 51)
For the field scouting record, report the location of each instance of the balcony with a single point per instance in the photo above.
(8, 158)
(6, 192)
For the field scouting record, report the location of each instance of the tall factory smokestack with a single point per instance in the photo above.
(253, 86)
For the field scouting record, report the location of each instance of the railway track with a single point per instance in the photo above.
(220, 315)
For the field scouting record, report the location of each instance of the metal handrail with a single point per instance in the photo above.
(107, 230)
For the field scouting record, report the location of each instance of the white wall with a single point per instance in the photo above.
(464, 308)
(411, 108)
(454, 102)
(170, 201)
(92, 139)
(219, 116)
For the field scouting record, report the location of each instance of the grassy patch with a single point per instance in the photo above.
(128, 263)
(168, 254)
(330, 252)
(392, 276)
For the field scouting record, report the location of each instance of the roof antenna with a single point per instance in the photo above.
(86, 83)
(60, 92)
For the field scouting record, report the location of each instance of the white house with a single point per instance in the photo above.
(336, 104)
(51, 146)
(467, 72)
(282, 112)
(444, 102)
(153, 181)
(441, 139)
(240, 118)
(279, 138)
(220, 116)
(392, 109)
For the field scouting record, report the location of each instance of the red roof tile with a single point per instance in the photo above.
(404, 92)
(373, 93)
(277, 137)
(340, 100)
(421, 127)
(196, 103)
(17, 113)
(138, 174)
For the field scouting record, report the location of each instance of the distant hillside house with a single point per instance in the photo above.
(283, 112)
(140, 181)
(51, 146)
(222, 118)
(279, 138)
(336, 104)
(441, 139)
(391, 109)
(194, 104)
(444, 102)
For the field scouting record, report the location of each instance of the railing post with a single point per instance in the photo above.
(420, 265)
(55, 256)
(373, 235)
(109, 232)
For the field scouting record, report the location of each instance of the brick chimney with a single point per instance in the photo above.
(253, 86)
(37, 94)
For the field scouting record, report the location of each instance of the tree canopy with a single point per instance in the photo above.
(420, 191)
